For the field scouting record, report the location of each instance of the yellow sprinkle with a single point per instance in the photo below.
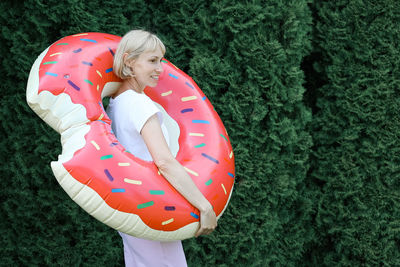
(190, 171)
(101, 116)
(223, 187)
(98, 87)
(167, 221)
(95, 145)
(188, 98)
(98, 72)
(55, 54)
(124, 164)
(166, 93)
(80, 34)
(159, 173)
(196, 134)
(130, 181)
(231, 154)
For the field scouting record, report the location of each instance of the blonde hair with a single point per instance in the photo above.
(134, 43)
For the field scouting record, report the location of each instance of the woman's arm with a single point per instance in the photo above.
(176, 175)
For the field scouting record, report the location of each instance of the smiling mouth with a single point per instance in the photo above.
(155, 77)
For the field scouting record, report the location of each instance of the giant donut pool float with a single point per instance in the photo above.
(66, 86)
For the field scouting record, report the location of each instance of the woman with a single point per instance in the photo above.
(138, 125)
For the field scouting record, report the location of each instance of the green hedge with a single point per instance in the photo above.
(356, 126)
(307, 91)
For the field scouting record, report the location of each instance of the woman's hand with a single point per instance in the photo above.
(208, 222)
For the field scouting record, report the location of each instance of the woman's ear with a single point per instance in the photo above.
(127, 62)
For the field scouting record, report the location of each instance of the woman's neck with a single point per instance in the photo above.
(128, 84)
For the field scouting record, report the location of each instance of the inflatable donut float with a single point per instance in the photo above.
(66, 86)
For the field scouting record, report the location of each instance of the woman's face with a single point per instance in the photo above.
(147, 68)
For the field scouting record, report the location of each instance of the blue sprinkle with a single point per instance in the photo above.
(113, 144)
(169, 208)
(89, 40)
(101, 105)
(210, 158)
(173, 76)
(194, 215)
(186, 110)
(203, 98)
(102, 121)
(231, 175)
(112, 53)
(109, 70)
(118, 190)
(109, 176)
(87, 63)
(74, 85)
(188, 84)
(77, 50)
(51, 74)
(201, 121)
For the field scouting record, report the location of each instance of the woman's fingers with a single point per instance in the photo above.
(204, 231)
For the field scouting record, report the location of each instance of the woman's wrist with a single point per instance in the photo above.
(205, 207)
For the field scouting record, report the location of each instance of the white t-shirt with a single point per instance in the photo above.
(129, 112)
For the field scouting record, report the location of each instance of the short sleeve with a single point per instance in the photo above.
(141, 109)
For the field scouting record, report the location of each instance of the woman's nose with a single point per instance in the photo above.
(159, 67)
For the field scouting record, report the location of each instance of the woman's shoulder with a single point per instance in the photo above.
(131, 97)
(136, 96)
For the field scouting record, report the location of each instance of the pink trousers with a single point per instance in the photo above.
(148, 253)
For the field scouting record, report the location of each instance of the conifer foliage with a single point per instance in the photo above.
(355, 129)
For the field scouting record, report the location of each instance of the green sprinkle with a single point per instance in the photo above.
(49, 62)
(209, 182)
(223, 137)
(157, 192)
(62, 44)
(200, 145)
(164, 61)
(106, 157)
(145, 205)
(89, 82)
